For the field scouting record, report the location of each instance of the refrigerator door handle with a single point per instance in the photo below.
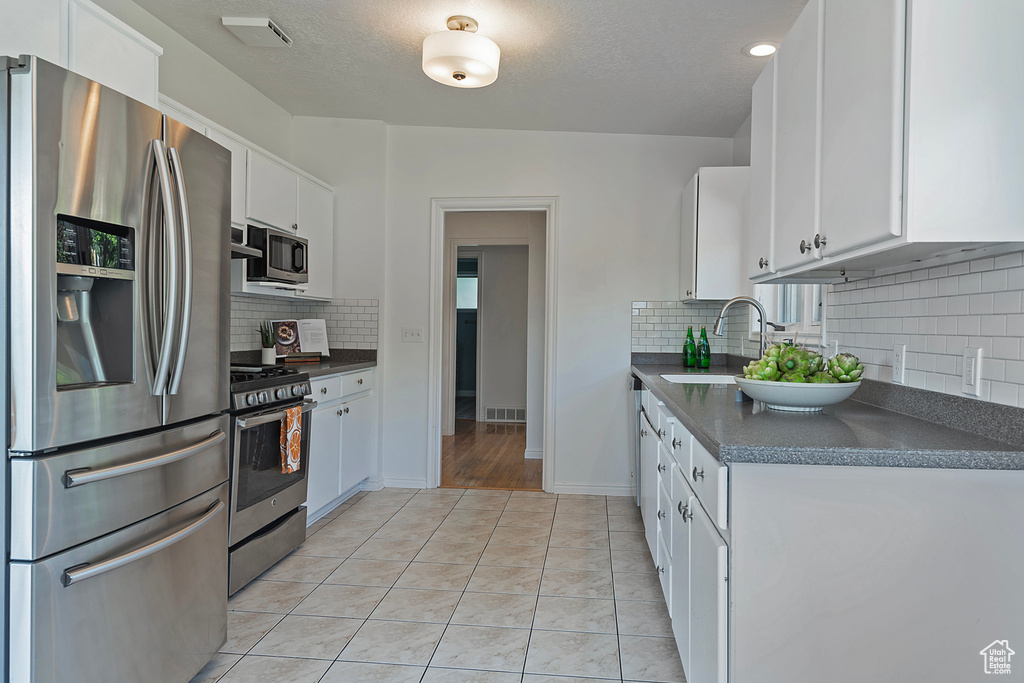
(160, 377)
(81, 477)
(186, 270)
(73, 575)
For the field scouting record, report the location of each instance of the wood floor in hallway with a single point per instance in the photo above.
(488, 455)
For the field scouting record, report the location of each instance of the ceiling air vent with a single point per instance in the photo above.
(258, 32)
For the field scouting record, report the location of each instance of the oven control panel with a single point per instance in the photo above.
(262, 397)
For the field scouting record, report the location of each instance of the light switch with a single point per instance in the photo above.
(412, 335)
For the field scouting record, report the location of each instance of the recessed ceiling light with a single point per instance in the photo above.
(762, 48)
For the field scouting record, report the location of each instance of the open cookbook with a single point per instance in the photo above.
(293, 337)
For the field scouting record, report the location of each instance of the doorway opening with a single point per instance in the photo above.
(492, 376)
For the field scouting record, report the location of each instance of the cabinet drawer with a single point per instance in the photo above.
(326, 389)
(710, 481)
(355, 382)
(665, 519)
(666, 423)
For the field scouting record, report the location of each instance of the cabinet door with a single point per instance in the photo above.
(272, 193)
(649, 483)
(688, 241)
(862, 99)
(709, 600)
(683, 502)
(721, 214)
(358, 421)
(315, 219)
(103, 48)
(758, 259)
(324, 475)
(238, 153)
(797, 127)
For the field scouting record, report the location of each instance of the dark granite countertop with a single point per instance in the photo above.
(333, 367)
(850, 433)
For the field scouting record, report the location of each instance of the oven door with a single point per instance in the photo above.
(260, 491)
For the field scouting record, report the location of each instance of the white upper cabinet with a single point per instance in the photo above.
(315, 220)
(862, 123)
(272, 198)
(895, 154)
(757, 243)
(714, 215)
(86, 39)
(238, 161)
(797, 89)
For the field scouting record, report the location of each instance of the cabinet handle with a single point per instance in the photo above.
(684, 510)
(295, 226)
(341, 412)
(676, 443)
(359, 381)
(689, 292)
(643, 432)
(661, 514)
(323, 390)
(761, 263)
(804, 246)
(661, 467)
(346, 411)
(819, 241)
(697, 474)
(661, 570)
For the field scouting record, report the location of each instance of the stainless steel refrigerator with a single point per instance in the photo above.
(117, 227)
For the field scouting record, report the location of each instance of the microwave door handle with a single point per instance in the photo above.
(73, 575)
(186, 269)
(170, 232)
(299, 257)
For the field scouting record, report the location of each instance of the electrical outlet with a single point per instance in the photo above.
(972, 371)
(412, 335)
(899, 371)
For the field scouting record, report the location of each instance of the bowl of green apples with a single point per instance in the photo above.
(794, 379)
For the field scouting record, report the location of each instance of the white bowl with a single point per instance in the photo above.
(796, 397)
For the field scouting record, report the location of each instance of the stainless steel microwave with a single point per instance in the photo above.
(283, 256)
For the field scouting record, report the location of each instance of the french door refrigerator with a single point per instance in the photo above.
(117, 231)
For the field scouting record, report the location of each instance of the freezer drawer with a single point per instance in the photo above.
(147, 603)
(59, 501)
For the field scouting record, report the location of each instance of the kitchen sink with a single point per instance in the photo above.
(700, 379)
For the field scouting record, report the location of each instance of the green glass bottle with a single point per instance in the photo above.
(690, 350)
(703, 350)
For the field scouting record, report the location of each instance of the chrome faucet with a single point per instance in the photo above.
(720, 323)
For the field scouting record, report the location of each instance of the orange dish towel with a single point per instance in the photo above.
(291, 440)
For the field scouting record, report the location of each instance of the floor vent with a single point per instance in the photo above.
(505, 414)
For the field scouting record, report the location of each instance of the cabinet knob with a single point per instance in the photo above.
(661, 570)
(819, 241)
(689, 292)
(643, 432)
(684, 511)
(676, 443)
(661, 467)
(295, 226)
(346, 411)
(804, 247)
(359, 381)
(761, 263)
(661, 514)
(341, 412)
(659, 433)
(697, 474)
(323, 390)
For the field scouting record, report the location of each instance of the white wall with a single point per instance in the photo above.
(193, 78)
(535, 337)
(618, 240)
(501, 324)
(741, 145)
(350, 154)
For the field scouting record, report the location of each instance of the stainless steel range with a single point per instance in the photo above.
(268, 518)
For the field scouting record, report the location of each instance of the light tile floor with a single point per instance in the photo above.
(447, 585)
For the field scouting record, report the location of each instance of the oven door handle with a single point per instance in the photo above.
(75, 574)
(264, 418)
(81, 477)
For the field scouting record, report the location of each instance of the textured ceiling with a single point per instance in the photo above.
(614, 66)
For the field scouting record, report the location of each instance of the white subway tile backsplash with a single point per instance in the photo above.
(351, 323)
(937, 312)
(660, 327)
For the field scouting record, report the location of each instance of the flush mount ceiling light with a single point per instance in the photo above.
(762, 48)
(459, 57)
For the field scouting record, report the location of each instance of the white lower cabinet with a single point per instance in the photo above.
(324, 480)
(358, 419)
(342, 446)
(649, 482)
(682, 517)
(709, 601)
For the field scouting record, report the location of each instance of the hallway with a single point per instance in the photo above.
(488, 455)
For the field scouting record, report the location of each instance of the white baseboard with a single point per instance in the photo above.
(596, 489)
(534, 454)
(402, 483)
(372, 484)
